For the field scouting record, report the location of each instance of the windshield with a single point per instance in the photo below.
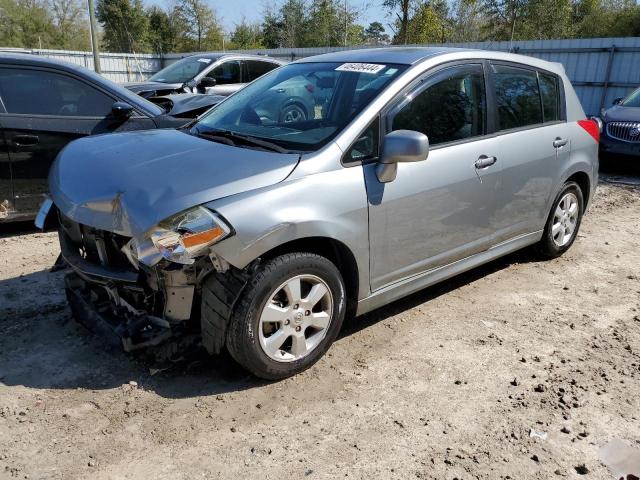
(632, 100)
(300, 106)
(183, 70)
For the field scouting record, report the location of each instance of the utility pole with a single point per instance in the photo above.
(94, 37)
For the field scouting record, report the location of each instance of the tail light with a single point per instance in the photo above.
(310, 88)
(592, 128)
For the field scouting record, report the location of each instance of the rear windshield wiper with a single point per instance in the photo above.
(246, 139)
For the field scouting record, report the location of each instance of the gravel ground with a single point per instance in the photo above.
(445, 384)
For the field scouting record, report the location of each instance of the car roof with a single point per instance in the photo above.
(397, 55)
(31, 60)
(219, 55)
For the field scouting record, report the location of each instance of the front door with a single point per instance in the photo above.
(45, 110)
(228, 77)
(442, 209)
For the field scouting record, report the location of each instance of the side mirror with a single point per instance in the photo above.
(121, 110)
(617, 101)
(207, 82)
(400, 146)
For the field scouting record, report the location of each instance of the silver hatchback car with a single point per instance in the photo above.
(258, 234)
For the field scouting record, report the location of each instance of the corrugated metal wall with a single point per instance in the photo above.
(119, 67)
(601, 69)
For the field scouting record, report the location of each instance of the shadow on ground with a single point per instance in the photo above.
(42, 347)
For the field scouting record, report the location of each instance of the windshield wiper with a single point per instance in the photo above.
(246, 139)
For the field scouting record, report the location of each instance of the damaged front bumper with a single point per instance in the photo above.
(123, 329)
(134, 309)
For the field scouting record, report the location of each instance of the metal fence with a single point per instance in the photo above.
(119, 67)
(600, 69)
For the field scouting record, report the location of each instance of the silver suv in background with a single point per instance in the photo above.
(258, 233)
(210, 73)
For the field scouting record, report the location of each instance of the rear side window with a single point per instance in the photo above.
(38, 92)
(517, 97)
(256, 68)
(452, 107)
(550, 94)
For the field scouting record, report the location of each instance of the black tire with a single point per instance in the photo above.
(242, 338)
(547, 247)
(295, 107)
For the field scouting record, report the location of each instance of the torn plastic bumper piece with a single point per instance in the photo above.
(126, 330)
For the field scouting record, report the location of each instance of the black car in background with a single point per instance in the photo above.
(210, 73)
(621, 127)
(45, 104)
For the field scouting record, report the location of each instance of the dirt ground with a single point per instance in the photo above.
(445, 384)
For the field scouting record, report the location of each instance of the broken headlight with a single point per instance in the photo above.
(180, 238)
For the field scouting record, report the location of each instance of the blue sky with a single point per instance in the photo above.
(232, 11)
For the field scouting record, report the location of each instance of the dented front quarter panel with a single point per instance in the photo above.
(320, 199)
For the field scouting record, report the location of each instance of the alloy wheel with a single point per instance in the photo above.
(296, 318)
(565, 219)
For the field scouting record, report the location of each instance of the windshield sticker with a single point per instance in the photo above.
(371, 68)
(204, 60)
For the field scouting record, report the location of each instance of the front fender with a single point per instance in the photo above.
(331, 204)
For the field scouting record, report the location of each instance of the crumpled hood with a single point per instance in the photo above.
(619, 113)
(182, 103)
(138, 87)
(126, 183)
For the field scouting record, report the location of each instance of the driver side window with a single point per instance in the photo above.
(226, 73)
(452, 107)
(39, 92)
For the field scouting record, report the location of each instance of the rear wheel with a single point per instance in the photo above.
(288, 316)
(563, 222)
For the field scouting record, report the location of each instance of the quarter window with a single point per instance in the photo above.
(38, 92)
(452, 107)
(257, 68)
(517, 97)
(366, 146)
(549, 92)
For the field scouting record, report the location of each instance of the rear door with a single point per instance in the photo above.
(442, 209)
(45, 110)
(256, 68)
(532, 137)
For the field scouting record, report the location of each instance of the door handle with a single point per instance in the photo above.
(25, 140)
(560, 142)
(484, 162)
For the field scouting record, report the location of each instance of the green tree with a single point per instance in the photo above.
(26, 24)
(124, 24)
(428, 24)
(292, 18)
(70, 24)
(247, 35)
(272, 27)
(467, 21)
(375, 34)
(203, 29)
(168, 30)
(401, 9)
(503, 16)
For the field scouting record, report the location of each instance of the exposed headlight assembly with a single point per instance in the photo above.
(180, 238)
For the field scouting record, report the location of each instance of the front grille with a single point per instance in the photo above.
(625, 131)
(97, 246)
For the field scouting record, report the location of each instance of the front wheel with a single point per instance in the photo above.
(563, 222)
(288, 316)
